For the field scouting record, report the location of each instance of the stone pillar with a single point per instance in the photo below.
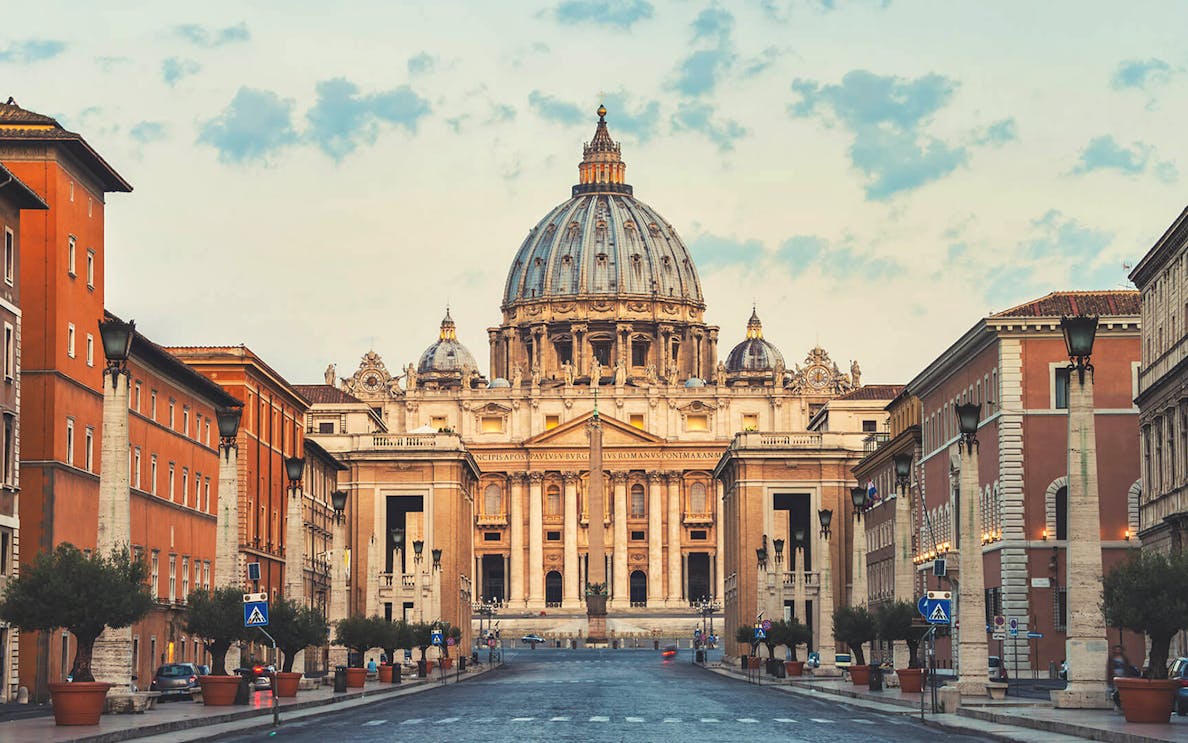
(112, 655)
(337, 607)
(295, 557)
(655, 541)
(905, 567)
(971, 588)
(675, 592)
(1086, 646)
(374, 565)
(858, 591)
(535, 545)
(229, 563)
(826, 645)
(720, 539)
(621, 593)
(798, 578)
(516, 536)
(569, 582)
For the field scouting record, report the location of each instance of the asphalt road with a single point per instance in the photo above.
(603, 695)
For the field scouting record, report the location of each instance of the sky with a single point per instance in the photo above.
(874, 175)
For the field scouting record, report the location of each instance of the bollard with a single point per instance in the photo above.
(340, 679)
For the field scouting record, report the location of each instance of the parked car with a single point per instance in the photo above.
(258, 675)
(668, 652)
(532, 639)
(203, 670)
(176, 680)
(1179, 674)
(998, 670)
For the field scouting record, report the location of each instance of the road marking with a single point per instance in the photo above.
(558, 719)
(634, 719)
(599, 718)
(412, 721)
(710, 719)
(672, 719)
(747, 719)
(863, 722)
(784, 719)
(444, 720)
(485, 719)
(375, 722)
(522, 719)
(817, 719)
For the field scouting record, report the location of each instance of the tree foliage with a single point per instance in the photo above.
(793, 633)
(746, 636)
(217, 616)
(1148, 593)
(854, 626)
(894, 623)
(296, 627)
(360, 634)
(80, 593)
(395, 635)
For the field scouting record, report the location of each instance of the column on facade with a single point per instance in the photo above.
(826, 645)
(720, 539)
(798, 581)
(655, 541)
(516, 528)
(858, 595)
(229, 568)
(112, 653)
(535, 545)
(621, 592)
(337, 608)
(295, 558)
(675, 592)
(374, 561)
(972, 650)
(904, 566)
(569, 582)
(493, 343)
(580, 352)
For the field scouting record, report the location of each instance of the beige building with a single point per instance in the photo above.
(602, 310)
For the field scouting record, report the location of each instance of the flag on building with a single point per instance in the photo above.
(872, 493)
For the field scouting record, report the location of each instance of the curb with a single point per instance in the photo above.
(1087, 732)
(265, 714)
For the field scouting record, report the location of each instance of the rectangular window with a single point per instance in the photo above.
(552, 421)
(153, 474)
(172, 491)
(9, 256)
(9, 447)
(1060, 392)
(326, 427)
(695, 423)
(698, 535)
(492, 424)
(870, 426)
(9, 352)
(70, 339)
(185, 486)
(206, 495)
(186, 420)
(90, 269)
(172, 417)
(206, 573)
(172, 578)
(5, 552)
(70, 441)
(1060, 609)
(638, 536)
(136, 468)
(70, 241)
(136, 396)
(490, 536)
(155, 573)
(153, 651)
(552, 536)
(89, 454)
(637, 420)
(185, 577)
(90, 350)
(750, 422)
(153, 404)
(208, 432)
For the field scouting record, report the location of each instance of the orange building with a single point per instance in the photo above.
(14, 197)
(271, 430)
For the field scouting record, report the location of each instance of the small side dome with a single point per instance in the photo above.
(499, 382)
(447, 362)
(694, 382)
(754, 354)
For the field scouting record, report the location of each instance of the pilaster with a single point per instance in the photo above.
(655, 541)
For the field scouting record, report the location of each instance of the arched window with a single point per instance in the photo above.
(553, 588)
(493, 500)
(697, 502)
(638, 586)
(1062, 513)
(553, 501)
(637, 500)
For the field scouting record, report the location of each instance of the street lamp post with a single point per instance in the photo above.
(972, 650)
(338, 573)
(860, 498)
(827, 647)
(764, 577)
(778, 544)
(905, 568)
(295, 538)
(1086, 646)
(798, 576)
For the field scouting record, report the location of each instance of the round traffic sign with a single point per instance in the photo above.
(766, 624)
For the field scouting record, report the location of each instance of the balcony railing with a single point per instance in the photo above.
(699, 519)
(874, 441)
(492, 519)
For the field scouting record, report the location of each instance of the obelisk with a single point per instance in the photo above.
(596, 586)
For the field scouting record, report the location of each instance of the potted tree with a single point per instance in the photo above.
(422, 639)
(295, 627)
(82, 594)
(359, 635)
(746, 637)
(217, 616)
(448, 632)
(1148, 593)
(773, 636)
(795, 634)
(855, 626)
(894, 621)
(391, 636)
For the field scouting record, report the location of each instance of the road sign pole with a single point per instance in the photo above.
(275, 708)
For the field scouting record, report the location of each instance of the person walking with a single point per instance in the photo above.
(1118, 665)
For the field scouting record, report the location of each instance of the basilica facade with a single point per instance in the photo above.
(468, 485)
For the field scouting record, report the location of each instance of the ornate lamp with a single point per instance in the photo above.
(860, 498)
(338, 500)
(397, 537)
(437, 557)
(825, 516)
(116, 336)
(228, 420)
(294, 467)
(418, 548)
(798, 536)
(1079, 334)
(903, 469)
(968, 415)
(761, 553)
(779, 550)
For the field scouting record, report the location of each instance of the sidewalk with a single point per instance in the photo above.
(181, 721)
(1011, 719)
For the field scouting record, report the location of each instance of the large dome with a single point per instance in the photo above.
(602, 241)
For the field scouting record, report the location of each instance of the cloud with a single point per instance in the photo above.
(615, 13)
(783, 10)
(29, 51)
(501, 112)
(714, 24)
(699, 117)
(701, 71)
(641, 122)
(886, 115)
(147, 132)
(256, 124)
(998, 133)
(422, 63)
(1105, 153)
(342, 119)
(210, 38)
(552, 108)
(176, 68)
(1139, 73)
(712, 251)
(761, 63)
(801, 251)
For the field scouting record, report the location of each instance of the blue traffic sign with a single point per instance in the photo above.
(935, 611)
(255, 614)
(1035, 635)
(435, 637)
(760, 634)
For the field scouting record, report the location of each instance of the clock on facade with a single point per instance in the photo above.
(372, 382)
(818, 376)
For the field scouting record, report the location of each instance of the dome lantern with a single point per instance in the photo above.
(602, 169)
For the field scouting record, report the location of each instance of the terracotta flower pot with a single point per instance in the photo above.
(78, 703)
(447, 663)
(753, 662)
(428, 667)
(385, 674)
(794, 667)
(356, 677)
(911, 680)
(1146, 700)
(860, 675)
(219, 691)
(287, 683)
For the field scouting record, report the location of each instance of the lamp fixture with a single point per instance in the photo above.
(436, 557)
(294, 468)
(860, 499)
(779, 549)
(903, 468)
(825, 516)
(397, 537)
(1079, 334)
(116, 337)
(228, 420)
(338, 501)
(968, 415)
(418, 548)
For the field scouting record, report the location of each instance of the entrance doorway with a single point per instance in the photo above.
(492, 577)
(553, 588)
(699, 576)
(639, 588)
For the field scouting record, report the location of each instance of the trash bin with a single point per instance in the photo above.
(699, 656)
(395, 673)
(778, 669)
(462, 663)
(474, 658)
(243, 693)
(340, 679)
(876, 678)
(422, 669)
(655, 644)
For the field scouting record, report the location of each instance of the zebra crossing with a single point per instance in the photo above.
(634, 719)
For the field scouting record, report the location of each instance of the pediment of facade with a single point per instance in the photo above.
(573, 434)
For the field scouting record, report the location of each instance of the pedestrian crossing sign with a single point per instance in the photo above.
(939, 615)
(255, 614)
(760, 634)
(435, 637)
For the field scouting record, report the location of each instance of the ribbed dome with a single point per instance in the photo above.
(447, 355)
(602, 241)
(754, 354)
